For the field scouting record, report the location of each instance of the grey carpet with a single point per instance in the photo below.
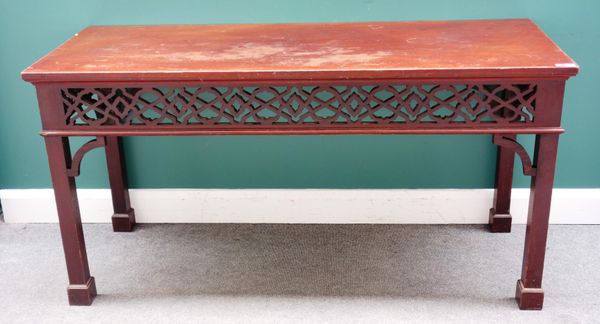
(241, 273)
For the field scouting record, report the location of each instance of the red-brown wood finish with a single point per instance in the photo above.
(500, 218)
(530, 294)
(497, 77)
(82, 288)
(123, 219)
(373, 50)
(417, 107)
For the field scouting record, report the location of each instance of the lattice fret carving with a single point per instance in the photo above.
(301, 105)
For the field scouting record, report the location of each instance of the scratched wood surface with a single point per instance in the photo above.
(377, 50)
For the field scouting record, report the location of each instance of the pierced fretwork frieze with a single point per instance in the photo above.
(301, 105)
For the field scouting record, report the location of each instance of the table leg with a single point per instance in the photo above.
(500, 218)
(82, 288)
(123, 219)
(529, 288)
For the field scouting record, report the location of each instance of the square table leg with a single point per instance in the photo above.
(123, 219)
(500, 218)
(529, 288)
(82, 288)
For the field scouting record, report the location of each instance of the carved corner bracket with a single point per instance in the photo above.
(73, 170)
(511, 143)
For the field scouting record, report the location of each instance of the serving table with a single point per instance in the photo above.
(496, 77)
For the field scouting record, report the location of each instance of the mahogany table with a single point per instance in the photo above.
(497, 77)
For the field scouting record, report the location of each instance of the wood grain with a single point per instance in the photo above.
(325, 51)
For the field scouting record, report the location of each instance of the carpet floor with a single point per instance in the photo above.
(274, 273)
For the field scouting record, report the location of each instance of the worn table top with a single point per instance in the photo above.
(417, 50)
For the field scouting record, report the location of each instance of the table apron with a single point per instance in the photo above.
(302, 108)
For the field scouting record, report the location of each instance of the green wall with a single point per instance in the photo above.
(29, 29)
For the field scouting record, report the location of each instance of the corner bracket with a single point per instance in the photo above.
(73, 170)
(513, 145)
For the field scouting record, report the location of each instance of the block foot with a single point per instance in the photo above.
(124, 222)
(499, 223)
(529, 298)
(82, 295)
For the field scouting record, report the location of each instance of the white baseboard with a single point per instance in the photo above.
(400, 206)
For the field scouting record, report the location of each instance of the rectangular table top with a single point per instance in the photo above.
(512, 48)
